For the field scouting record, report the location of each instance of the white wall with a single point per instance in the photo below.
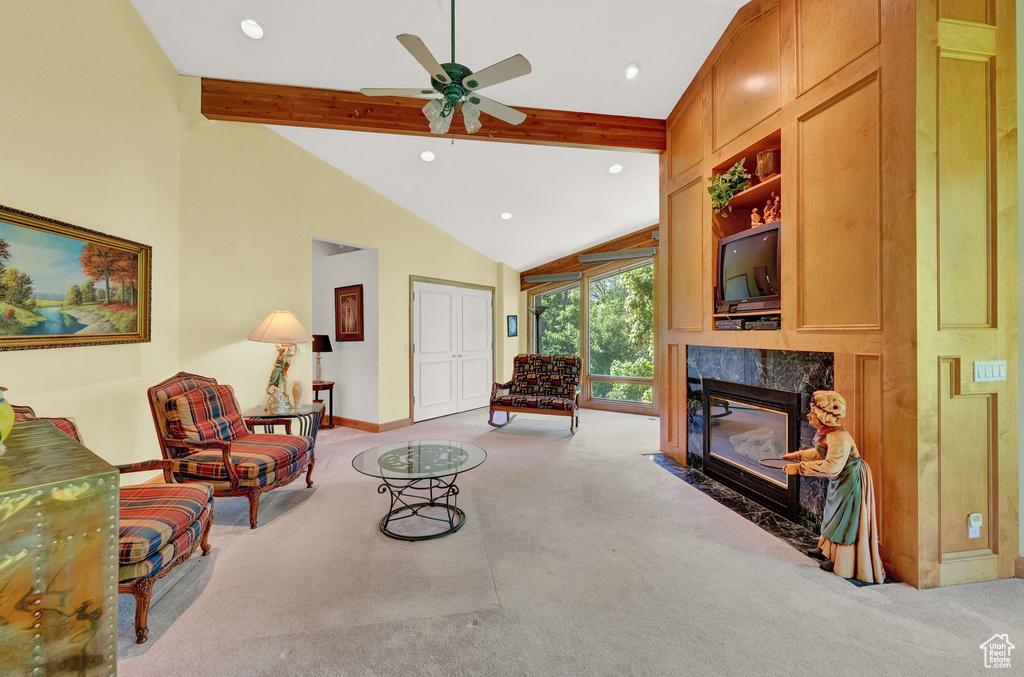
(353, 366)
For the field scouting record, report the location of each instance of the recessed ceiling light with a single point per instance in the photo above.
(252, 29)
(427, 156)
(631, 70)
(615, 168)
(505, 216)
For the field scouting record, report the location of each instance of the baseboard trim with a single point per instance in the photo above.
(1018, 567)
(367, 427)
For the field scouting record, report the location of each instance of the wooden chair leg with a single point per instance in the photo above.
(254, 504)
(309, 472)
(205, 545)
(142, 590)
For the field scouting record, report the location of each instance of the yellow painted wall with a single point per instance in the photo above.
(89, 134)
(514, 302)
(251, 204)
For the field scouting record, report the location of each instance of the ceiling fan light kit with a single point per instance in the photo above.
(457, 85)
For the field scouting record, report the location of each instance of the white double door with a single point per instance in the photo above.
(453, 331)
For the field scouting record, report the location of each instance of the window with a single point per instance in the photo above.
(607, 318)
(620, 334)
(559, 324)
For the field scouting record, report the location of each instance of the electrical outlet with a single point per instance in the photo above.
(394, 408)
(989, 370)
(974, 525)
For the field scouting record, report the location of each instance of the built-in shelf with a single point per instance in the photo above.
(757, 195)
(739, 319)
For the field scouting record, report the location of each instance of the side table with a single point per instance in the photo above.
(329, 387)
(307, 417)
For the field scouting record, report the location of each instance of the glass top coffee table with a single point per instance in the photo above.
(420, 476)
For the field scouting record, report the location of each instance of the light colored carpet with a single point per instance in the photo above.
(579, 557)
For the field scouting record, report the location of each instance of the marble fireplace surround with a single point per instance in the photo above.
(798, 371)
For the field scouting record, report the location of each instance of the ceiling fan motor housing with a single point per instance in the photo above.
(455, 90)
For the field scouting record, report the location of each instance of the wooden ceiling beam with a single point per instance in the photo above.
(570, 263)
(335, 109)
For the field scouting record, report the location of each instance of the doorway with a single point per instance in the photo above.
(452, 347)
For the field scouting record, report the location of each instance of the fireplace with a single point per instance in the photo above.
(744, 424)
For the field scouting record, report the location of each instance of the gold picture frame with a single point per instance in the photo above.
(63, 285)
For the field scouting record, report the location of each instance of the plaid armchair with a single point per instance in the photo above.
(199, 426)
(541, 384)
(159, 526)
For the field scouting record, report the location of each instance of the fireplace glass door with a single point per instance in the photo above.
(742, 434)
(744, 424)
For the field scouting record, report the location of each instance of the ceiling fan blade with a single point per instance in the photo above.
(420, 52)
(498, 110)
(512, 67)
(370, 91)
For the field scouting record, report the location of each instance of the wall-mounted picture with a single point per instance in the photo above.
(513, 325)
(348, 313)
(64, 285)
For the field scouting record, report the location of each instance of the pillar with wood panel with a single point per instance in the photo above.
(898, 195)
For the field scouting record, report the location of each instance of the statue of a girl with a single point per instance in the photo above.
(277, 387)
(849, 531)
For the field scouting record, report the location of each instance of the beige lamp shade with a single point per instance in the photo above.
(280, 327)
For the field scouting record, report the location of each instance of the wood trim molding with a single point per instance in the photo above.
(603, 404)
(263, 103)
(371, 427)
(1018, 569)
(570, 263)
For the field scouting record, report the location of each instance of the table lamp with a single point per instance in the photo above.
(321, 344)
(284, 329)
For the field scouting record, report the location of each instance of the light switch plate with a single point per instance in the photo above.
(989, 370)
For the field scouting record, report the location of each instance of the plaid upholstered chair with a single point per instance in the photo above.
(199, 424)
(541, 384)
(159, 526)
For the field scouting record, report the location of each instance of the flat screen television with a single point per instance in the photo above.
(747, 278)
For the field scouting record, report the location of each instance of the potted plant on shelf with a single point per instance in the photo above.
(724, 186)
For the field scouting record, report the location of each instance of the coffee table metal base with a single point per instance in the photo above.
(439, 495)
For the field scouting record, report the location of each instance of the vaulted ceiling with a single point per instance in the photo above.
(561, 199)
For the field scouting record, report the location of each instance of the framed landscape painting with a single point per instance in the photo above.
(63, 285)
(348, 313)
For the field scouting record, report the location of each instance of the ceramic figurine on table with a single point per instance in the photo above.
(277, 387)
(296, 394)
(849, 527)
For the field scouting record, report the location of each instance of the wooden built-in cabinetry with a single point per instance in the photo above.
(898, 188)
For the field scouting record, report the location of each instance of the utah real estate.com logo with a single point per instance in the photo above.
(996, 650)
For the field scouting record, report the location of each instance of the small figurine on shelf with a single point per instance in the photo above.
(772, 209)
(849, 527)
(755, 219)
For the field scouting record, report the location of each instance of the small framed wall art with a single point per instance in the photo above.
(63, 285)
(513, 325)
(348, 313)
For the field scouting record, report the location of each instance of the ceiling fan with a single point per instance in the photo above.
(458, 87)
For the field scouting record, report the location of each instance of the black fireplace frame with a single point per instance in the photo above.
(783, 500)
